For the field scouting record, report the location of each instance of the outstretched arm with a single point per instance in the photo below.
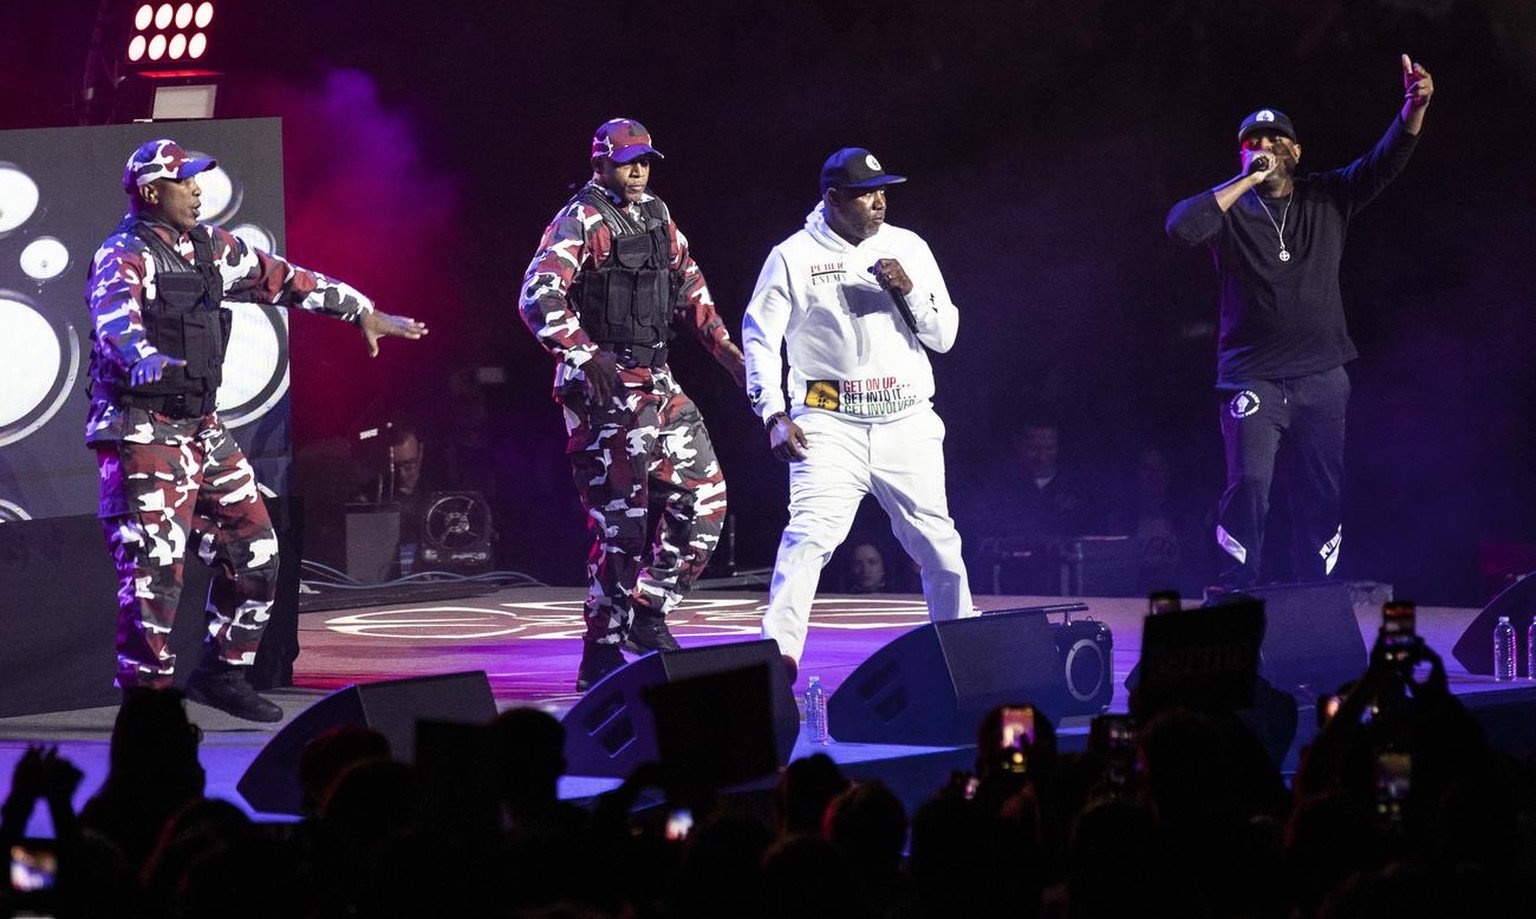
(252, 275)
(377, 325)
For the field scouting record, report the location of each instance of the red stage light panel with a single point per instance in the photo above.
(169, 32)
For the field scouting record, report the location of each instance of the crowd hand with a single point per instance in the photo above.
(958, 786)
(890, 275)
(1418, 85)
(611, 814)
(40, 773)
(151, 367)
(1387, 669)
(1435, 682)
(1022, 804)
(377, 325)
(27, 781)
(786, 440)
(602, 374)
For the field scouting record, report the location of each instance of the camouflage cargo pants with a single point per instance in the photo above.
(651, 449)
(170, 484)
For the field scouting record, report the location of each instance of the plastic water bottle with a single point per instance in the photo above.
(816, 712)
(1503, 650)
(1530, 651)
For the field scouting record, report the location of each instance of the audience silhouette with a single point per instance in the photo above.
(1400, 808)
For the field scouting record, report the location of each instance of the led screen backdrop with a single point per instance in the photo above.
(60, 195)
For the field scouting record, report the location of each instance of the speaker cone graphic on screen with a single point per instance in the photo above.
(60, 197)
(19, 198)
(256, 363)
(39, 363)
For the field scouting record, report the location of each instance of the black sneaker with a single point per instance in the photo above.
(597, 661)
(647, 633)
(225, 688)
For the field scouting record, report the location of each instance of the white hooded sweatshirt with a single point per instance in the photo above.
(850, 351)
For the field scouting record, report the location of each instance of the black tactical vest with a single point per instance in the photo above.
(627, 300)
(184, 320)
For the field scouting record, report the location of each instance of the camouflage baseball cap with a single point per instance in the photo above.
(855, 167)
(1266, 119)
(161, 159)
(623, 140)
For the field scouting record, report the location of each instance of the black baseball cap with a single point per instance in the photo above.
(855, 167)
(1266, 119)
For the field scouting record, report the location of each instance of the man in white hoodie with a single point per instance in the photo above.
(854, 301)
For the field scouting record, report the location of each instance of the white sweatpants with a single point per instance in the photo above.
(901, 463)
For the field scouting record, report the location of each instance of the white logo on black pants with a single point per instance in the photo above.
(1243, 404)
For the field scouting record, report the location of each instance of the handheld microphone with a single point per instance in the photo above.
(1259, 163)
(904, 308)
(897, 297)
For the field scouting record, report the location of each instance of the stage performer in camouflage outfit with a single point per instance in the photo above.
(611, 276)
(171, 474)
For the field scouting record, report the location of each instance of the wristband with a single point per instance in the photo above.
(771, 419)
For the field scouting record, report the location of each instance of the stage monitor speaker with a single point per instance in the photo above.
(739, 743)
(1312, 641)
(373, 542)
(1208, 660)
(1474, 649)
(58, 597)
(1199, 658)
(934, 684)
(391, 707)
(613, 729)
(58, 609)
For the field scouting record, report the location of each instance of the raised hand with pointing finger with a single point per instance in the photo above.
(1418, 88)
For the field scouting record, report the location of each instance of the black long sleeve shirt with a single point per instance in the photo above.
(1282, 319)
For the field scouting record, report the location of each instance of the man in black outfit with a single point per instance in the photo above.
(1277, 239)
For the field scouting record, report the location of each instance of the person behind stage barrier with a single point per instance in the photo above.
(865, 571)
(406, 455)
(612, 275)
(1277, 238)
(1036, 505)
(867, 563)
(171, 474)
(400, 479)
(855, 302)
(1048, 501)
(1156, 509)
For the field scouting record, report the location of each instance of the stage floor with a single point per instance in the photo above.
(527, 640)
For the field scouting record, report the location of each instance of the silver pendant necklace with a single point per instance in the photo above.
(1285, 254)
